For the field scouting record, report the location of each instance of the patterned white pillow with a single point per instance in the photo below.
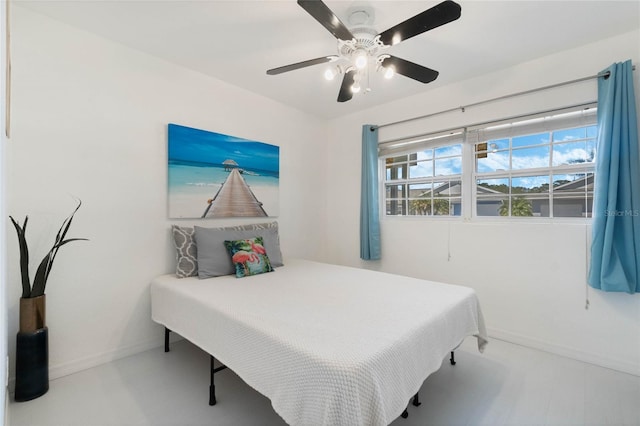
(186, 251)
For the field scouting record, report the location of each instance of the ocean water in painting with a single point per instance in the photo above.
(200, 162)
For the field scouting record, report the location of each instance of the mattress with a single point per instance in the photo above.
(327, 344)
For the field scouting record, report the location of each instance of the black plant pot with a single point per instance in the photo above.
(32, 351)
(32, 364)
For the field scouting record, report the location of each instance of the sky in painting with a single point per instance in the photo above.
(200, 146)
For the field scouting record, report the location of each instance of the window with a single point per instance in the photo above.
(424, 183)
(537, 166)
(522, 171)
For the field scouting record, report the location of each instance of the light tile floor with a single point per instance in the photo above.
(507, 385)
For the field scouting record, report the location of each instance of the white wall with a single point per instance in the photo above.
(89, 121)
(3, 269)
(530, 277)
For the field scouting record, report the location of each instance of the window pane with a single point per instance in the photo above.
(573, 153)
(398, 159)
(575, 182)
(420, 207)
(494, 161)
(398, 171)
(449, 166)
(573, 195)
(420, 190)
(567, 205)
(441, 207)
(395, 191)
(490, 205)
(522, 206)
(455, 206)
(424, 155)
(445, 189)
(529, 158)
(592, 131)
(421, 169)
(530, 184)
(448, 151)
(395, 208)
(570, 134)
(492, 186)
(498, 144)
(538, 139)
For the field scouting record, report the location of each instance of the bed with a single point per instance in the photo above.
(327, 344)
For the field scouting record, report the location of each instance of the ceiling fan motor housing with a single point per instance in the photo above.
(365, 42)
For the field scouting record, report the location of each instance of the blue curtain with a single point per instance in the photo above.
(615, 249)
(369, 208)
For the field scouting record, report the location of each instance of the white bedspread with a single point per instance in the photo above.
(327, 344)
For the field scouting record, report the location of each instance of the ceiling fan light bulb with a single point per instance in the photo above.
(361, 60)
(330, 73)
(389, 73)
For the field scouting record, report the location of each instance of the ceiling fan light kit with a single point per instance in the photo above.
(360, 47)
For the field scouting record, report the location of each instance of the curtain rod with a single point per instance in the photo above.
(484, 123)
(462, 108)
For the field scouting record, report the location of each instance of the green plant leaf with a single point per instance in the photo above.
(42, 273)
(67, 222)
(40, 279)
(24, 255)
(54, 250)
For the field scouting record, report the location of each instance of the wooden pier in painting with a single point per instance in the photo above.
(234, 199)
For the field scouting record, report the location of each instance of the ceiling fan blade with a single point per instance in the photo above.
(438, 15)
(327, 18)
(345, 93)
(302, 64)
(410, 69)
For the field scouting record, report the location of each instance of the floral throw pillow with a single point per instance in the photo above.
(248, 256)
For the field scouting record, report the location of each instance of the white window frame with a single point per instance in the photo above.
(406, 147)
(554, 120)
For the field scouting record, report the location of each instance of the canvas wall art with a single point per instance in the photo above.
(213, 175)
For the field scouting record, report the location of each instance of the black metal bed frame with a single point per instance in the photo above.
(213, 369)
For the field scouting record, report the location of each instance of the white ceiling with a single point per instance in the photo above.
(237, 41)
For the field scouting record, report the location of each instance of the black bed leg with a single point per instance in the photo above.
(452, 360)
(416, 401)
(166, 339)
(212, 387)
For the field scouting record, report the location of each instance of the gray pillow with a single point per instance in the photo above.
(213, 258)
(186, 251)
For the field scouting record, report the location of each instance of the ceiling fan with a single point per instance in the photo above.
(361, 47)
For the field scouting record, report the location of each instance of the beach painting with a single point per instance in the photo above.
(213, 175)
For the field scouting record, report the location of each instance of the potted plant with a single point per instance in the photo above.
(32, 349)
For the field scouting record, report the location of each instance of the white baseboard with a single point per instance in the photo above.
(77, 365)
(71, 367)
(61, 370)
(565, 351)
